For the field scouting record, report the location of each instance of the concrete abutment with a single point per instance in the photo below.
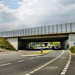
(13, 42)
(18, 44)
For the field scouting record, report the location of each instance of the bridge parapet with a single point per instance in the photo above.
(42, 30)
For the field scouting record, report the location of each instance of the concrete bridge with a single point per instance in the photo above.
(19, 39)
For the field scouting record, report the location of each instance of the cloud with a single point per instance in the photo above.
(32, 13)
(67, 2)
(7, 17)
(6, 14)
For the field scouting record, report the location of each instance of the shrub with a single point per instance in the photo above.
(72, 49)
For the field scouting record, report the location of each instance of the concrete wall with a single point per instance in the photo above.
(71, 39)
(13, 42)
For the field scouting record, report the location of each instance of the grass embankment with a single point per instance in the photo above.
(5, 45)
(39, 52)
(72, 49)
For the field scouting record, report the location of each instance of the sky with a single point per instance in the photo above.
(21, 14)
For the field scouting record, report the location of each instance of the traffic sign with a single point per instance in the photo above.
(74, 43)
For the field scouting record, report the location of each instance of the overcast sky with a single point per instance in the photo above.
(19, 14)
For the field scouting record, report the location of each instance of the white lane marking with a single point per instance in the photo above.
(45, 64)
(32, 72)
(31, 58)
(64, 70)
(20, 61)
(27, 74)
(5, 64)
(66, 67)
(63, 73)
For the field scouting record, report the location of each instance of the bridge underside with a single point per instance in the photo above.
(23, 42)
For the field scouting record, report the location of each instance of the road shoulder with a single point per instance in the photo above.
(71, 69)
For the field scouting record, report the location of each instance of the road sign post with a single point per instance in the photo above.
(41, 50)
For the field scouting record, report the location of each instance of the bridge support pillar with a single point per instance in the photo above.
(65, 44)
(71, 39)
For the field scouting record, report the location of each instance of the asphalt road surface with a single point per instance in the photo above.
(50, 64)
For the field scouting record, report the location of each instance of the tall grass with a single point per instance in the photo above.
(4, 44)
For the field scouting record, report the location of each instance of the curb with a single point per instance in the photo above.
(46, 53)
(37, 54)
(32, 55)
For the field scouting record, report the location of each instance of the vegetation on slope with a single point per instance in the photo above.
(5, 45)
(72, 49)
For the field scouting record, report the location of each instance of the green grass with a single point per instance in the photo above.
(4, 44)
(72, 49)
(39, 52)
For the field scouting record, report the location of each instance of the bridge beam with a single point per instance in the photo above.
(65, 44)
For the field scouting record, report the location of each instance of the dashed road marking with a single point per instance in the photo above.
(64, 70)
(31, 58)
(44, 64)
(63, 73)
(20, 61)
(66, 67)
(5, 64)
(27, 74)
